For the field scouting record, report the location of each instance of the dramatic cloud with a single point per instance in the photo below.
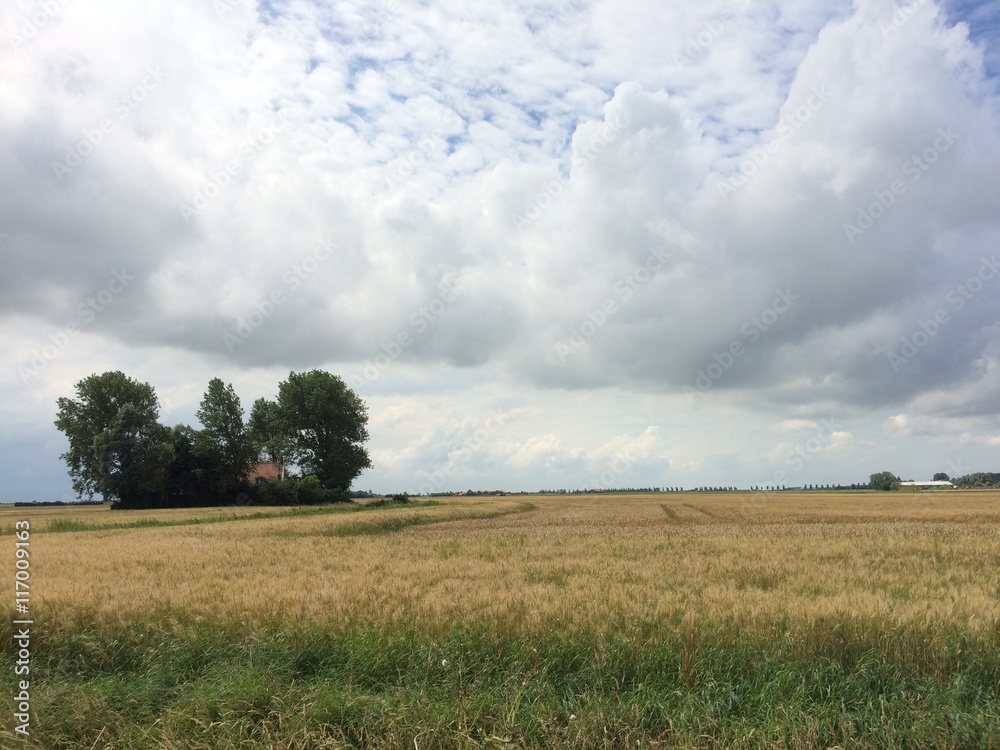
(555, 244)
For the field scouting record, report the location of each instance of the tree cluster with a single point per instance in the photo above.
(884, 481)
(979, 479)
(119, 449)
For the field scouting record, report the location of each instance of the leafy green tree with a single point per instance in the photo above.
(270, 439)
(979, 479)
(116, 444)
(326, 423)
(190, 474)
(224, 442)
(884, 481)
(941, 477)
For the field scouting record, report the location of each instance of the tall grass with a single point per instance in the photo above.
(810, 622)
(58, 525)
(216, 684)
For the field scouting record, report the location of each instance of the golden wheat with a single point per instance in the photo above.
(575, 561)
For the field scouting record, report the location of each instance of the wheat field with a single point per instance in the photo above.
(583, 560)
(804, 578)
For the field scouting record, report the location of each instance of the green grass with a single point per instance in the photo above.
(194, 685)
(66, 525)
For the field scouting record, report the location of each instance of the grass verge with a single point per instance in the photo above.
(174, 682)
(69, 525)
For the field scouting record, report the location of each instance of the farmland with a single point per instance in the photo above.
(671, 620)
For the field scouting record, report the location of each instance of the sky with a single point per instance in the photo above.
(573, 244)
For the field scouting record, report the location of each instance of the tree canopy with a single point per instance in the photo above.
(884, 481)
(118, 448)
(267, 432)
(224, 440)
(116, 444)
(326, 423)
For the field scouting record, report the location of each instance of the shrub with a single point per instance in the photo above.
(278, 492)
(403, 498)
(311, 492)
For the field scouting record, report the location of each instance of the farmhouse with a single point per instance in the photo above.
(267, 470)
(928, 485)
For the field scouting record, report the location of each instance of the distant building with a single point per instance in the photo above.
(267, 470)
(928, 485)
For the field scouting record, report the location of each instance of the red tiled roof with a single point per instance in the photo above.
(267, 470)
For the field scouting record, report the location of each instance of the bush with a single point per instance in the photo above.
(305, 491)
(885, 481)
(311, 492)
(278, 492)
(404, 498)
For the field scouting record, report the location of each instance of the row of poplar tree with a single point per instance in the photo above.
(119, 449)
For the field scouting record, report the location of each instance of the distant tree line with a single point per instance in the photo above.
(887, 481)
(602, 490)
(979, 479)
(119, 449)
(835, 487)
